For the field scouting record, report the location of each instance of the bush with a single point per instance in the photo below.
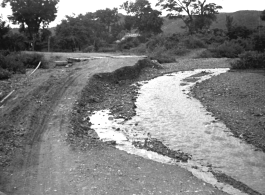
(162, 55)
(250, 59)
(31, 60)
(13, 64)
(141, 49)
(4, 74)
(162, 41)
(228, 49)
(214, 39)
(193, 42)
(4, 52)
(239, 32)
(18, 62)
(259, 42)
(206, 54)
(106, 49)
(247, 44)
(128, 43)
(90, 48)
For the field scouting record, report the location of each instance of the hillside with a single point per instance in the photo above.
(246, 18)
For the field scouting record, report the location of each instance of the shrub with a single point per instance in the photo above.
(13, 64)
(250, 59)
(162, 55)
(206, 54)
(228, 49)
(156, 41)
(4, 74)
(141, 49)
(247, 44)
(106, 49)
(128, 43)
(90, 48)
(162, 41)
(4, 52)
(214, 39)
(193, 42)
(18, 62)
(259, 42)
(239, 32)
(31, 60)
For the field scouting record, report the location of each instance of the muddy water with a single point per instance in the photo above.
(166, 112)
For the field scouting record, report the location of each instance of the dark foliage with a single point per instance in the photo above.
(239, 32)
(4, 74)
(250, 59)
(259, 42)
(19, 62)
(129, 43)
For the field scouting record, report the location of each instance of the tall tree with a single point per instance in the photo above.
(229, 23)
(262, 16)
(32, 15)
(108, 17)
(4, 29)
(142, 17)
(196, 14)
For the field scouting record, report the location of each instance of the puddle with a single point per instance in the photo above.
(167, 113)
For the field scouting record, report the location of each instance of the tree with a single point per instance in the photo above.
(262, 16)
(142, 17)
(229, 23)
(239, 32)
(32, 14)
(108, 17)
(195, 14)
(4, 29)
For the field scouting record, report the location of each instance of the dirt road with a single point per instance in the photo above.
(40, 160)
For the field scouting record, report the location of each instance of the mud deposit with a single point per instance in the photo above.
(167, 114)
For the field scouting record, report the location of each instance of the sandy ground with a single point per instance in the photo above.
(37, 157)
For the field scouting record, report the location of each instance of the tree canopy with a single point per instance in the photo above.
(142, 17)
(4, 29)
(32, 14)
(196, 14)
(262, 16)
(107, 17)
(92, 29)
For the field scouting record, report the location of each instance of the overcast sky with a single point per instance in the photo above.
(68, 7)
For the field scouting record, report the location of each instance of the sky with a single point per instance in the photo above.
(69, 7)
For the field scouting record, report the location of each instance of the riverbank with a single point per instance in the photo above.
(237, 98)
(105, 92)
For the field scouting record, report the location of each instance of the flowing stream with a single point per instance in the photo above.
(166, 112)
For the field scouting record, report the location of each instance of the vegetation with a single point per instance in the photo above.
(92, 30)
(142, 17)
(4, 29)
(11, 63)
(251, 59)
(24, 13)
(140, 32)
(196, 14)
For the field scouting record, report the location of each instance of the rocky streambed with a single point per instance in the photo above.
(171, 123)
